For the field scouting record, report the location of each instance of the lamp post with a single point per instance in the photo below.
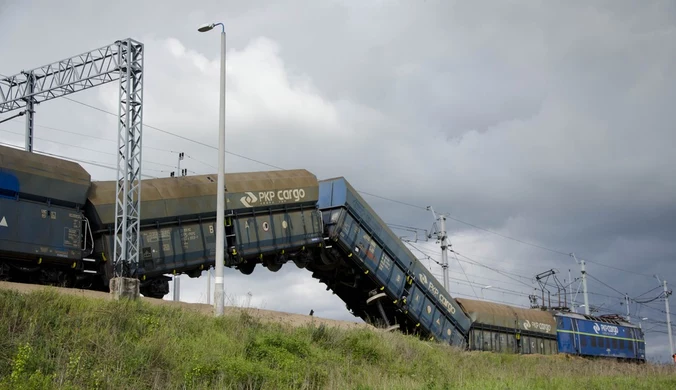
(220, 199)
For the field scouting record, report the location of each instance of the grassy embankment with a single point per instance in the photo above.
(48, 340)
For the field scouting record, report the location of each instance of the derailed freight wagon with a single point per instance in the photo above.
(396, 289)
(42, 227)
(271, 217)
(504, 328)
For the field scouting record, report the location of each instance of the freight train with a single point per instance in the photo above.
(57, 227)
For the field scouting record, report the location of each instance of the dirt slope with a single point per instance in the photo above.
(263, 315)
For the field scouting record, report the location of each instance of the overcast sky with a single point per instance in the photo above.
(549, 122)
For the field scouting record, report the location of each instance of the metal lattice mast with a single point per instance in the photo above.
(30, 111)
(123, 61)
(128, 192)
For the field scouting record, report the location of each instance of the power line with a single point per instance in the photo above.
(495, 268)
(610, 287)
(90, 149)
(177, 135)
(649, 291)
(95, 163)
(463, 271)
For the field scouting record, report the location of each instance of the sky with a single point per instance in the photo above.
(541, 128)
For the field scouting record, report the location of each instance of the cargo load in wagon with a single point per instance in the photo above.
(369, 243)
(42, 178)
(505, 328)
(193, 197)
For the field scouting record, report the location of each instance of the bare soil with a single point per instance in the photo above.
(263, 315)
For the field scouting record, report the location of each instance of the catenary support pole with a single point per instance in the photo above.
(30, 112)
(444, 251)
(587, 311)
(585, 294)
(570, 285)
(443, 238)
(626, 300)
(666, 304)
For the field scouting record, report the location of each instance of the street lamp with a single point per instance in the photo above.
(220, 199)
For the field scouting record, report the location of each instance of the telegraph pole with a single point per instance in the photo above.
(584, 285)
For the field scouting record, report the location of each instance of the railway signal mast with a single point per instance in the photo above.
(121, 61)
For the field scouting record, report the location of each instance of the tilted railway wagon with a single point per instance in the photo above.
(390, 285)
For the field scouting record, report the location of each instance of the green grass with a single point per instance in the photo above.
(48, 340)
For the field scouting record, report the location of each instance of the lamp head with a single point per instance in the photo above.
(205, 27)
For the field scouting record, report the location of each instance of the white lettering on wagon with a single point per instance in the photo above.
(436, 293)
(537, 326)
(269, 197)
(608, 329)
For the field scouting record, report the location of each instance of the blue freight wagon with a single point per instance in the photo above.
(404, 292)
(271, 218)
(595, 336)
(43, 230)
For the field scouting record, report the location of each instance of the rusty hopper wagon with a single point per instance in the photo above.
(504, 328)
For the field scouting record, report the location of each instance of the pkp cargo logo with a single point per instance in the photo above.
(248, 199)
(526, 325)
(597, 328)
